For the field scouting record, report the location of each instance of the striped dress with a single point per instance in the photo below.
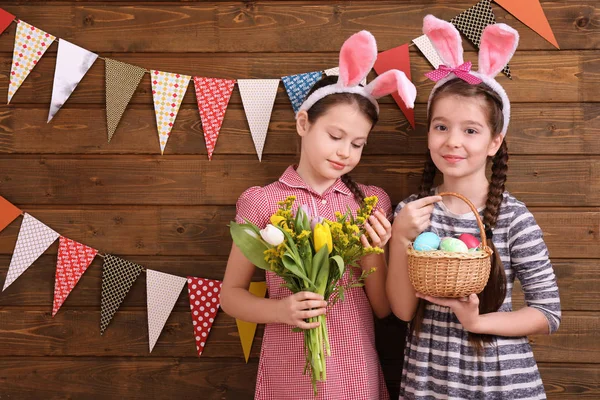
(439, 363)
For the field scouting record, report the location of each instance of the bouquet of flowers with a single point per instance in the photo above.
(310, 254)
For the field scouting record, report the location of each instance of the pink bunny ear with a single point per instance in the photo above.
(498, 44)
(393, 81)
(357, 56)
(445, 39)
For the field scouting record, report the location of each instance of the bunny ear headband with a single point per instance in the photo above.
(498, 44)
(357, 57)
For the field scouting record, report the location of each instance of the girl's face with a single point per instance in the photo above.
(333, 144)
(459, 138)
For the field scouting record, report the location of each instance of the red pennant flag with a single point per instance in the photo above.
(5, 20)
(213, 96)
(531, 13)
(396, 58)
(205, 298)
(72, 261)
(8, 213)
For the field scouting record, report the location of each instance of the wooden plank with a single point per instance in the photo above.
(538, 76)
(535, 128)
(578, 281)
(76, 333)
(277, 26)
(189, 180)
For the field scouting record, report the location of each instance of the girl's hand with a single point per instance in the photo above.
(379, 230)
(295, 309)
(414, 218)
(466, 309)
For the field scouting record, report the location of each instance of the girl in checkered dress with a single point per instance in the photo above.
(334, 123)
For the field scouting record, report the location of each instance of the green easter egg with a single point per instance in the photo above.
(453, 245)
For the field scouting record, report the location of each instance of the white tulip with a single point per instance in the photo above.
(272, 235)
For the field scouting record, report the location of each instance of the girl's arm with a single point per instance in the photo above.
(375, 283)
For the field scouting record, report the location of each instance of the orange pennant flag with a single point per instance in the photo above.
(530, 13)
(247, 330)
(8, 213)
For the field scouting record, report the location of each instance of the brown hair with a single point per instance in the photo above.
(494, 292)
(324, 104)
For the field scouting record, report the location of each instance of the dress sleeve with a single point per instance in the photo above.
(252, 206)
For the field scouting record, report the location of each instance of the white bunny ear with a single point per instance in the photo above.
(445, 39)
(393, 81)
(498, 44)
(357, 57)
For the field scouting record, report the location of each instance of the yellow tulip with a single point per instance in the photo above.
(276, 219)
(322, 237)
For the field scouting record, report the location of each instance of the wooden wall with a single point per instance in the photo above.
(170, 212)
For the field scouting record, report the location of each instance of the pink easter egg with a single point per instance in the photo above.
(470, 240)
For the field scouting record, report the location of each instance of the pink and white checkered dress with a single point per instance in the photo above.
(353, 369)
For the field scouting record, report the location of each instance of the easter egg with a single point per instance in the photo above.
(453, 245)
(426, 241)
(470, 240)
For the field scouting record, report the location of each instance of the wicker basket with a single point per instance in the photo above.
(445, 274)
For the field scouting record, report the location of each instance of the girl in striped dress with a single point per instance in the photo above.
(476, 347)
(334, 123)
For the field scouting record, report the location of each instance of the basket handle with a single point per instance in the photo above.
(474, 210)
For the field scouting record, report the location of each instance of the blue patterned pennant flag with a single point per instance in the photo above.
(297, 86)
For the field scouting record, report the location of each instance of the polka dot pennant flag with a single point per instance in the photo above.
(258, 97)
(205, 295)
(30, 45)
(473, 21)
(167, 90)
(213, 96)
(33, 240)
(162, 293)
(335, 71)
(71, 263)
(297, 86)
(425, 46)
(118, 276)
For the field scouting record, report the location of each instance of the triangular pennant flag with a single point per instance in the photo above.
(473, 21)
(72, 261)
(258, 97)
(396, 58)
(335, 71)
(167, 90)
(297, 86)
(121, 81)
(8, 212)
(247, 330)
(162, 293)
(72, 63)
(6, 19)
(118, 276)
(30, 45)
(531, 13)
(213, 96)
(424, 45)
(34, 239)
(205, 299)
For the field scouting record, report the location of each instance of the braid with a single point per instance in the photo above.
(359, 196)
(496, 188)
(429, 172)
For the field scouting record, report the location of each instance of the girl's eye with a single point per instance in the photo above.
(334, 137)
(358, 146)
(471, 131)
(442, 128)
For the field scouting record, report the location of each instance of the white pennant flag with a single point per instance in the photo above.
(34, 238)
(258, 97)
(162, 292)
(424, 44)
(72, 63)
(335, 71)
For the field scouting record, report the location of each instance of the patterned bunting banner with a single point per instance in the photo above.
(72, 261)
(30, 45)
(167, 90)
(118, 276)
(162, 291)
(213, 95)
(297, 86)
(531, 13)
(121, 80)
(204, 297)
(424, 45)
(72, 63)
(6, 19)
(258, 97)
(33, 240)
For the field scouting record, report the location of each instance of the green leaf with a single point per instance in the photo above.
(321, 260)
(340, 263)
(250, 244)
(290, 264)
